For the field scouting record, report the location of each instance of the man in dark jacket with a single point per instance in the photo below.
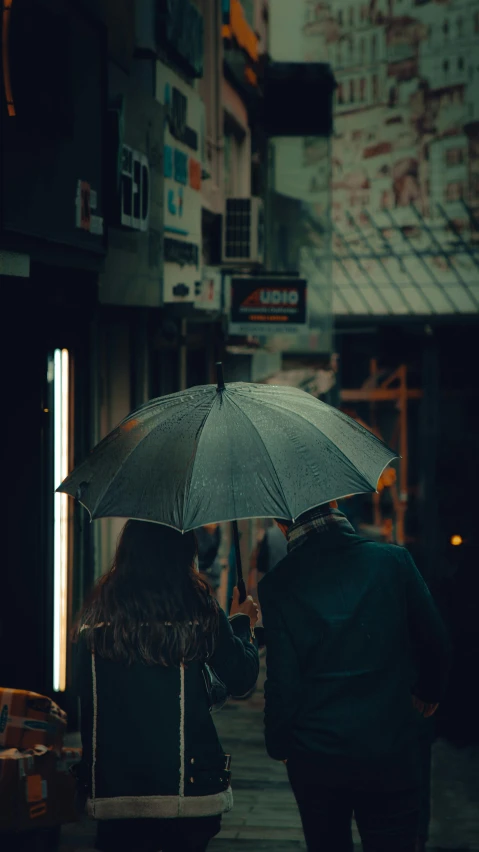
(357, 656)
(273, 549)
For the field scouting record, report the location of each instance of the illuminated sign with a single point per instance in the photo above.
(263, 305)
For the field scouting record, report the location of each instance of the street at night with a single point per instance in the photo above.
(239, 265)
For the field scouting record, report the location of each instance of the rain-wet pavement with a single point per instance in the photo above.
(265, 817)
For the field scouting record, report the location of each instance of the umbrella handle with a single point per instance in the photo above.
(239, 570)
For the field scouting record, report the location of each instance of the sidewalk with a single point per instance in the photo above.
(265, 817)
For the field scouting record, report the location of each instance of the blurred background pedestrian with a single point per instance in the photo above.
(209, 565)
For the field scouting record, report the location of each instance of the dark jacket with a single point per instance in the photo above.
(272, 550)
(351, 631)
(157, 751)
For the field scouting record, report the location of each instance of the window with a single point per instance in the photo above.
(351, 16)
(351, 91)
(375, 88)
(340, 17)
(362, 49)
(340, 94)
(460, 27)
(476, 22)
(460, 64)
(455, 191)
(362, 90)
(454, 156)
(445, 66)
(445, 28)
(374, 47)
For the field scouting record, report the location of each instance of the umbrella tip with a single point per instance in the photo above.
(219, 376)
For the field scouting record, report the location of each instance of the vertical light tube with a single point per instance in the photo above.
(60, 535)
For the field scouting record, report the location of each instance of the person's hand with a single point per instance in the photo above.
(424, 709)
(248, 607)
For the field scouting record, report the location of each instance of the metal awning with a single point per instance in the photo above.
(401, 262)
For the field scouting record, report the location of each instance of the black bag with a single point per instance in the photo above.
(216, 690)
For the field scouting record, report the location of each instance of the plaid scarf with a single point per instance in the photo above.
(317, 520)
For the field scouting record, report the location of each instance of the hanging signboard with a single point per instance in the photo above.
(266, 305)
(184, 141)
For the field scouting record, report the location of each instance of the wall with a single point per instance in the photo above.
(134, 263)
(406, 134)
(209, 88)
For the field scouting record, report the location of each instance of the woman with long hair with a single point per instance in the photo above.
(155, 774)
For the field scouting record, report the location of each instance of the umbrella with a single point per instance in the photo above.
(217, 453)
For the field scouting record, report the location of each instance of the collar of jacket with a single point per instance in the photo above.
(324, 519)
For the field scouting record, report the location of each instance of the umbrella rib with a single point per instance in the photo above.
(330, 440)
(340, 414)
(266, 450)
(199, 432)
(143, 438)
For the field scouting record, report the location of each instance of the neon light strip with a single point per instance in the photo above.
(60, 534)
(7, 8)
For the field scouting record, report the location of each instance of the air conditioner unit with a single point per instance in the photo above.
(243, 231)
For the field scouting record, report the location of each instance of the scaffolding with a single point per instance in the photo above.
(393, 388)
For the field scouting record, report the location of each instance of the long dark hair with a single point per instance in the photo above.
(152, 606)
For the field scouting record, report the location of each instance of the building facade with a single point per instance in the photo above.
(52, 247)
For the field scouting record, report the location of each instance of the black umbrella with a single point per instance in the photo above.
(226, 452)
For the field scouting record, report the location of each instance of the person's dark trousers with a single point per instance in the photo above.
(157, 835)
(387, 820)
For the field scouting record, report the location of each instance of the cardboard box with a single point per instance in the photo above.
(28, 719)
(37, 789)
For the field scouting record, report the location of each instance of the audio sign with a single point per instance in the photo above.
(268, 305)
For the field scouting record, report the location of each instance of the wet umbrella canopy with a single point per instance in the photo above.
(219, 453)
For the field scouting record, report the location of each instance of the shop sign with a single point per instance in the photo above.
(182, 169)
(208, 289)
(181, 31)
(135, 190)
(267, 306)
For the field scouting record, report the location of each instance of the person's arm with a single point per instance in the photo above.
(283, 682)
(428, 635)
(235, 658)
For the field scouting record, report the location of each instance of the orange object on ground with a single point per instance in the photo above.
(28, 719)
(37, 789)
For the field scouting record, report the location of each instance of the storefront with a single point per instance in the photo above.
(52, 244)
